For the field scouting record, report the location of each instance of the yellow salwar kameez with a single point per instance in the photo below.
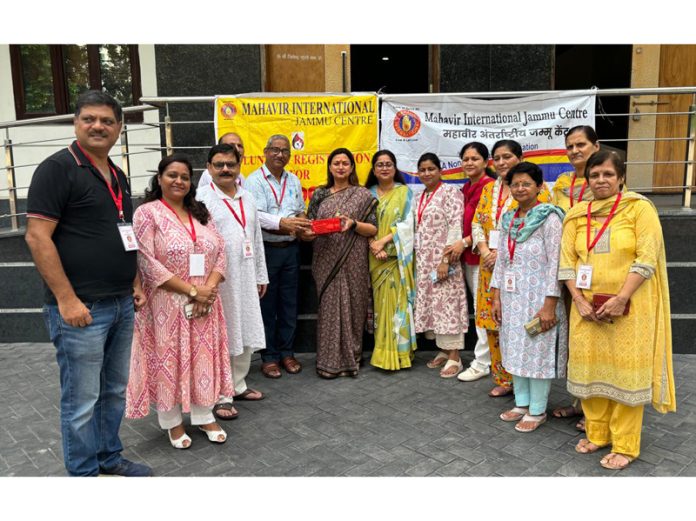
(483, 222)
(616, 368)
(561, 191)
(393, 286)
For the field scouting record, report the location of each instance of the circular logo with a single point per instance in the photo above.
(228, 110)
(407, 123)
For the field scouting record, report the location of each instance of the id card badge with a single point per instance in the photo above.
(493, 239)
(127, 236)
(584, 278)
(196, 265)
(510, 283)
(247, 249)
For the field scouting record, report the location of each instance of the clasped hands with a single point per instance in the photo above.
(203, 302)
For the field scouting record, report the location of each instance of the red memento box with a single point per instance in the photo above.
(324, 226)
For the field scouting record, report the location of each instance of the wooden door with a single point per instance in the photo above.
(677, 69)
(295, 68)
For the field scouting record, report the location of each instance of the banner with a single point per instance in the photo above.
(315, 124)
(444, 123)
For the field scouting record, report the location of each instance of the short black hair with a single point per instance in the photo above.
(525, 167)
(98, 97)
(603, 155)
(223, 149)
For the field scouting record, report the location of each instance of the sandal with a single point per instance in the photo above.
(514, 414)
(533, 421)
(569, 411)
(179, 442)
(439, 360)
(291, 365)
(585, 446)
(214, 436)
(225, 407)
(271, 370)
(607, 461)
(251, 395)
(500, 390)
(446, 371)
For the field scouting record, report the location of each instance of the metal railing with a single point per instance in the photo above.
(168, 146)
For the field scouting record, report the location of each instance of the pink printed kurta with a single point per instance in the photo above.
(175, 360)
(440, 306)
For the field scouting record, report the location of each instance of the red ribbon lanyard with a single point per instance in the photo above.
(275, 195)
(242, 221)
(501, 203)
(604, 226)
(192, 232)
(118, 199)
(421, 206)
(572, 191)
(512, 244)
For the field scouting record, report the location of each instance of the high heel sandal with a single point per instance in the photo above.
(213, 435)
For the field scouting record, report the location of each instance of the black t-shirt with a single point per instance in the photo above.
(67, 189)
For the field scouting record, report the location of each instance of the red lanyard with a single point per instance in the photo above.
(501, 203)
(275, 195)
(512, 244)
(421, 206)
(191, 233)
(572, 191)
(604, 226)
(242, 221)
(118, 199)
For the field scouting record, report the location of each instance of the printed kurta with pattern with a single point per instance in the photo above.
(175, 360)
(630, 360)
(535, 268)
(393, 282)
(239, 291)
(440, 306)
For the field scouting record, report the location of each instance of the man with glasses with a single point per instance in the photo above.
(281, 208)
(235, 140)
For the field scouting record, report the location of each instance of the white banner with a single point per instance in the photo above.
(444, 123)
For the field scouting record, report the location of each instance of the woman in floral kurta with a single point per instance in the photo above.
(178, 364)
(528, 255)
(441, 311)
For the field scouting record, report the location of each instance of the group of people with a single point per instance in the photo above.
(573, 282)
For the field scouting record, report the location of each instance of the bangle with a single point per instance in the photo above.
(577, 296)
(354, 225)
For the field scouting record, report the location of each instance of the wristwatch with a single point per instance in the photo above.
(193, 292)
(445, 260)
(354, 225)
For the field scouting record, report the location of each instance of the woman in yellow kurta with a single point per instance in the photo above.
(570, 188)
(495, 201)
(618, 362)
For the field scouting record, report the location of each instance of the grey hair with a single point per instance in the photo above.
(277, 136)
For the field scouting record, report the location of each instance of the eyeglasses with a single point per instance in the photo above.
(275, 151)
(384, 165)
(219, 165)
(516, 186)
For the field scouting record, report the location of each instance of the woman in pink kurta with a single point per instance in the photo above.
(178, 364)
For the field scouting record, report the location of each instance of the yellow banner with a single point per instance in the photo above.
(314, 124)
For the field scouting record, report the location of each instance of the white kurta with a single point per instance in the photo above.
(239, 292)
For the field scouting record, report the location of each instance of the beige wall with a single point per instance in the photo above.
(333, 72)
(645, 73)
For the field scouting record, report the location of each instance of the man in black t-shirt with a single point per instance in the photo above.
(78, 230)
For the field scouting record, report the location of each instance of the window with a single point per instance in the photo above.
(49, 78)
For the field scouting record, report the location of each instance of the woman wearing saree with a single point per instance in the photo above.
(391, 265)
(613, 263)
(340, 266)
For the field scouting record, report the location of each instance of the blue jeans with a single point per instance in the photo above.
(93, 363)
(279, 304)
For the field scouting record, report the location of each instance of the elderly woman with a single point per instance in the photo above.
(613, 263)
(391, 265)
(179, 361)
(571, 188)
(441, 311)
(526, 290)
(339, 266)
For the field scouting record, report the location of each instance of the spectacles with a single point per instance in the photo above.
(515, 186)
(275, 151)
(384, 165)
(219, 165)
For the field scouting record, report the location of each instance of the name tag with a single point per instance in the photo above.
(127, 236)
(494, 239)
(584, 278)
(248, 249)
(510, 282)
(196, 265)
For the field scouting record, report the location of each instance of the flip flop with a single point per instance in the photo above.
(606, 461)
(536, 421)
(439, 360)
(226, 407)
(245, 395)
(500, 390)
(448, 364)
(585, 446)
(569, 411)
(514, 414)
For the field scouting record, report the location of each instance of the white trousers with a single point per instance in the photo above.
(240, 369)
(446, 342)
(199, 416)
(482, 354)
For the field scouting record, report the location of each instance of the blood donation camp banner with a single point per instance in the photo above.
(444, 123)
(315, 124)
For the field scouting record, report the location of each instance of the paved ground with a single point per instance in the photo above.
(410, 423)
